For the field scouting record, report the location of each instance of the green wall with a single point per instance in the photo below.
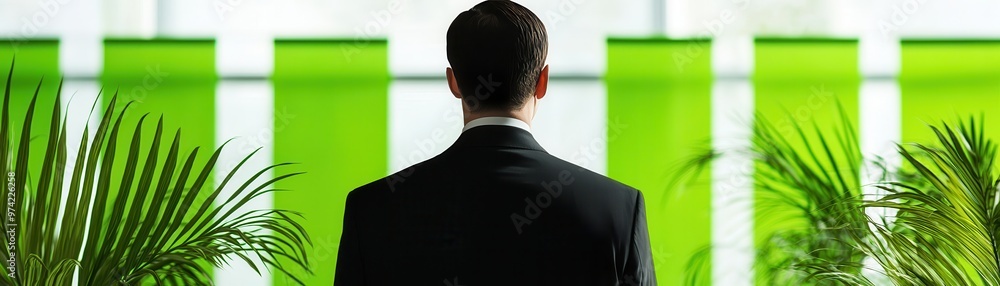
(800, 82)
(332, 117)
(660, 92)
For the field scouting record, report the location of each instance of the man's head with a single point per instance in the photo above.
(497, 53)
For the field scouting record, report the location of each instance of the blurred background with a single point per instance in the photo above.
(355, 90)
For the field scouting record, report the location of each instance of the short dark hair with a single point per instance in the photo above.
(497, 50)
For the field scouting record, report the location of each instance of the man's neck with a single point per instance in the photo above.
(520, 114)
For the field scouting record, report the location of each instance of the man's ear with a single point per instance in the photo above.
(543, 83)
(453, 83)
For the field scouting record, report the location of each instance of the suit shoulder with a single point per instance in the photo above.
(388, 184)
(597, 180)
(372, 189)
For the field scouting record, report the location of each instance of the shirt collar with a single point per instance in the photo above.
(496, 120)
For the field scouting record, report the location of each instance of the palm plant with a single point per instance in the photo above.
(805, 175)
(946, 227)
(819, 180)
(155, 221)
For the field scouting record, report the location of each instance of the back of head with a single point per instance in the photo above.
(497, 50)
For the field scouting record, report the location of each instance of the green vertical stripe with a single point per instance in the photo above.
(657, 59)
(36, 59)
(173, 79)
(659, 92)
(296, 60)
(800, 81)
(930, 60)
(943, 81)
(931, 103)
(183, 60)
(330, 116)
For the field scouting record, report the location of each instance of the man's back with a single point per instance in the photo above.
(495, 209)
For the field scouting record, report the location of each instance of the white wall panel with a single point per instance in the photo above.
(946, 19)
(424, 119)
(244, 112)
(572, 123)
(732, 183)
(577, 41)
(130, 18)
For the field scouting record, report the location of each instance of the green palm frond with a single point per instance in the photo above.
(815, 175)
(133, 216)
(946, 225)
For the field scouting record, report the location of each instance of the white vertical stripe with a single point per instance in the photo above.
(878, 48)
(880, 121)
(732, 183)
(77, 98)
(878, 55)
(880, 107)
(244, 112)
(424, 119)
(191, 18)
(678, 17)
(130, 18)
(572, 123)
(733, 55)
(81, 52)
(81, 55)
(881, 124)
(239, 54)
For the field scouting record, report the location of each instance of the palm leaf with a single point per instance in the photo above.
(804, 174)
(133, 226)
(945, 230)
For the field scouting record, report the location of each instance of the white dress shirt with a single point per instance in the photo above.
(497, 120)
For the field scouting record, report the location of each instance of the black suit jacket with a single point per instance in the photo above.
(495, 209)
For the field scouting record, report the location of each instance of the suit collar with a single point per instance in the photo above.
(497, 136)
(497, 120)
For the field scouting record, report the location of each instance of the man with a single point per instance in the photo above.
(495, 208)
